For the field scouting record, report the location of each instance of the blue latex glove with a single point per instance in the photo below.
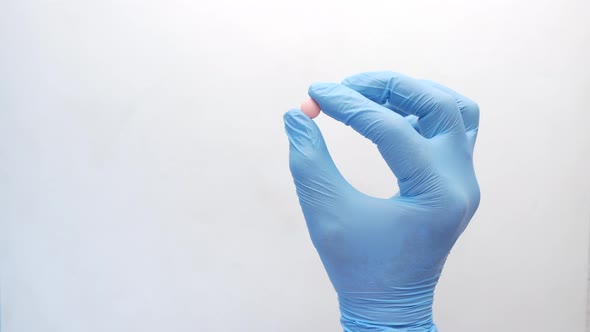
(384, 256)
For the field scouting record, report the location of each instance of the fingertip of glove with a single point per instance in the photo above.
(296, 122)
(295, 117)
(300, 129)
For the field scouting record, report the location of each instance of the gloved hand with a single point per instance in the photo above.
(384, 256)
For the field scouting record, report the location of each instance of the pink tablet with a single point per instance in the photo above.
(310, 108)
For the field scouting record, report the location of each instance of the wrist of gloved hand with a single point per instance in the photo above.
(401, 310)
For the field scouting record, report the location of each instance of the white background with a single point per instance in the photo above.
(144, 181)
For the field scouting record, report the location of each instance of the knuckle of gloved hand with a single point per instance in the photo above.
(457, 203)
(304, 161)
(297, 166)
(474, 195)
(460, 209)
(471, 106)
(444, 197)
(445, 103)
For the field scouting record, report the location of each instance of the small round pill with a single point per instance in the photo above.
(310, 108)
